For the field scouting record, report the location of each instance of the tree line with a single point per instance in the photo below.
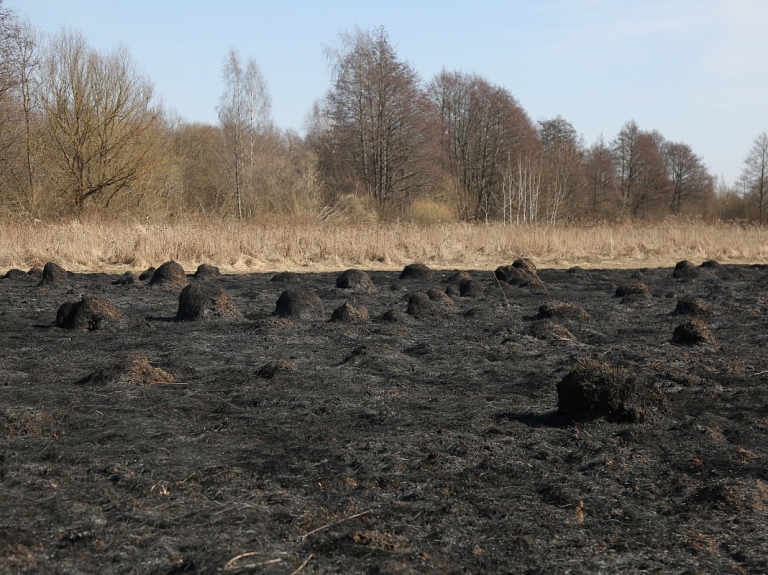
(82, 132)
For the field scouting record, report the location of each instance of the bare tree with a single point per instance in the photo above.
(484, 131)
(754, 176)
(101, 121)
(640, 170)
(691, 182)
(244, 114)
(377, 114)
(601, 179)
(564, 178)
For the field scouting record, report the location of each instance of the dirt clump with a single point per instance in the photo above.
(526, 265)
(687, 270)
(420, 306)
(200, 301)
(689, 305)
(396, 316)
(147, 274)
(596, 389)
(562, 310)
(273, 368)
(471, 288)
(633, 292)
(133, 369)
(16, 275)
(348, 313)
(416, 271)
(440, 297)
(53, 275)
(551, 330)
(88, 314)
(204, 271)
(457, 277)
(299, 304)
(711, 264)
(512, 275)
(169, 276)
(692, 332)
(127, 279)
(286, 278)
(355, 280)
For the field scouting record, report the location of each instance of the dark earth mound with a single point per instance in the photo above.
(204, 301)
(355, 280)
(54, 274)
(299, 304)
(88, 314)
(169, 276)
(484, 437)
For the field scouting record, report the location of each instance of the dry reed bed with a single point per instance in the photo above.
(315, 246)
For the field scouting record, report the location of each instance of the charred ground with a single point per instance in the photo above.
(385, 441)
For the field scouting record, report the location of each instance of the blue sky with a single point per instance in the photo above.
(695, 70)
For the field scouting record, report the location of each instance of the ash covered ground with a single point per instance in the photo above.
(532, 422)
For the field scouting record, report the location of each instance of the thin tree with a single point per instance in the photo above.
(754, 176)
(691, 182)
(244, 115)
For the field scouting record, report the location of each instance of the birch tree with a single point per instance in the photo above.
(244, 115)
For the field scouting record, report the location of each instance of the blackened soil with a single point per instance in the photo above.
(402, 445)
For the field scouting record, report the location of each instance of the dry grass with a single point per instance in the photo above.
(315, 246)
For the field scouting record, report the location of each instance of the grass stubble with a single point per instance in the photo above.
(313, 246)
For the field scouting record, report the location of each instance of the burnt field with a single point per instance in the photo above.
(550, 421)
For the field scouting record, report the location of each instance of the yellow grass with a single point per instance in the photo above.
(315, 246)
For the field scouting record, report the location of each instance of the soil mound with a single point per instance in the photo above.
(534, 284)
(512, 275)
(54, 274)
(692, 332)
(420, 305)
(199, 301)
(16, 275)
(440, 297)
(127, 279)
(396, 316)
(133, 369)
(711, 265)
(356, 280)
(562, 310)
(550, 330)
(348, 313)
(471, 288)
(89, 314)
(633, 289)
(299, 304)
(595, 389)
(169, 276)
(525, 264)
(416, 272)
(275, 367)
(457, 277)
(206, 271)
(147, 273)
(689, 305)
(688, 270)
